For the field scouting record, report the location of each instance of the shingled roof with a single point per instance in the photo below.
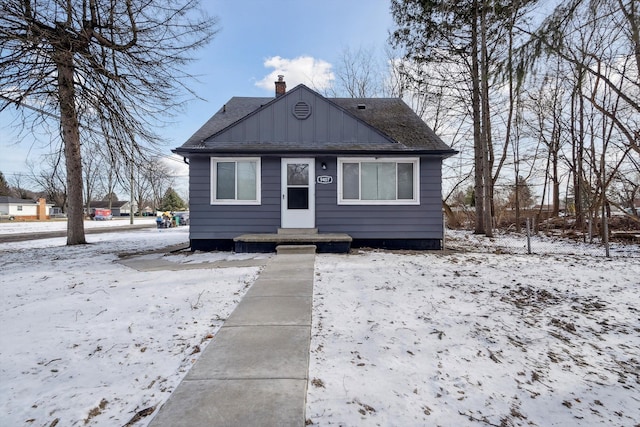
(394, 118)
(391, 117)
(15, 200)
(235, 109)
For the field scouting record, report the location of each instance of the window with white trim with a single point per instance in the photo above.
(235, 180)
(378, 181)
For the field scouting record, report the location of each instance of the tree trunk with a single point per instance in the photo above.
(71, 139)
(517, 198)
(486, 126)
(478, 149)
(577, 139)
(554, 149)
(556, 186)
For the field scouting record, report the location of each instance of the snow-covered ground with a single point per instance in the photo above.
(16, 227)
(469, 338)
(88, 341)
(399, 338)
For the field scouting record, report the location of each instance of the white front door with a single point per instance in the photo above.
(298, 193)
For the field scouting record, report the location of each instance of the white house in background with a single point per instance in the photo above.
(24, 209)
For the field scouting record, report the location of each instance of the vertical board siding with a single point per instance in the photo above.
(321, 122)
(276, 123)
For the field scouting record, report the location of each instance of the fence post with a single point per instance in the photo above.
(605, 232)
(528, 236)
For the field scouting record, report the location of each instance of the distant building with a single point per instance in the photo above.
(24, 209)
(118, 207)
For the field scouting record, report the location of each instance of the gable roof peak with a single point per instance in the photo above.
(397, 126)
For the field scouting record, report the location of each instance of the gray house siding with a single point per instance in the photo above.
(226, 222)
(423, 221)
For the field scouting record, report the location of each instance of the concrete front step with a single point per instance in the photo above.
(295, 249)
(297, 231)
(324, 242)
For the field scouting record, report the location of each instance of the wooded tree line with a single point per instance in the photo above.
(552, 100)
(537, 100)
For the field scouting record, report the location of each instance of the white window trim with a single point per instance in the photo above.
(214, 175)
(416, 180)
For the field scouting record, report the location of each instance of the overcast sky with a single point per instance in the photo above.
(258, 39)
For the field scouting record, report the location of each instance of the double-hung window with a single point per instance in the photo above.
(235, 181)
(378, 181)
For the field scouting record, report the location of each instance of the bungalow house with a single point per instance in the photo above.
(303, 168)
(24, 209)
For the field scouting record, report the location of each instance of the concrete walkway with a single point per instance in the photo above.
(255, 371)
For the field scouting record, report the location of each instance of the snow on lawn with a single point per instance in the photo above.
(15, 227)
(88, 341)
(402, 339)
(455, 339)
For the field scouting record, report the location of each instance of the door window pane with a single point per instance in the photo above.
(298, 198)
(226, 180)
(298, 174)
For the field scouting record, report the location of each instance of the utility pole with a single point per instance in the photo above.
(131, 212)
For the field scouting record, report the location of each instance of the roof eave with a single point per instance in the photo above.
(188, 152)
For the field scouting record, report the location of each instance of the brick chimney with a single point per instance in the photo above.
(41, 210)
(281, 86)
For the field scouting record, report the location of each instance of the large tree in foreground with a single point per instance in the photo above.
(114, 65)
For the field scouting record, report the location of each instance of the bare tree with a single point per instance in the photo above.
(117, 63)
(545, 122)
(18, 183)
(159, 179)
(142, 189)
(108, 179)
(601, 39)
(627, 183)
(598, 44)
(467, 35)
(91, 166)
(358, 73)
(50, 178)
